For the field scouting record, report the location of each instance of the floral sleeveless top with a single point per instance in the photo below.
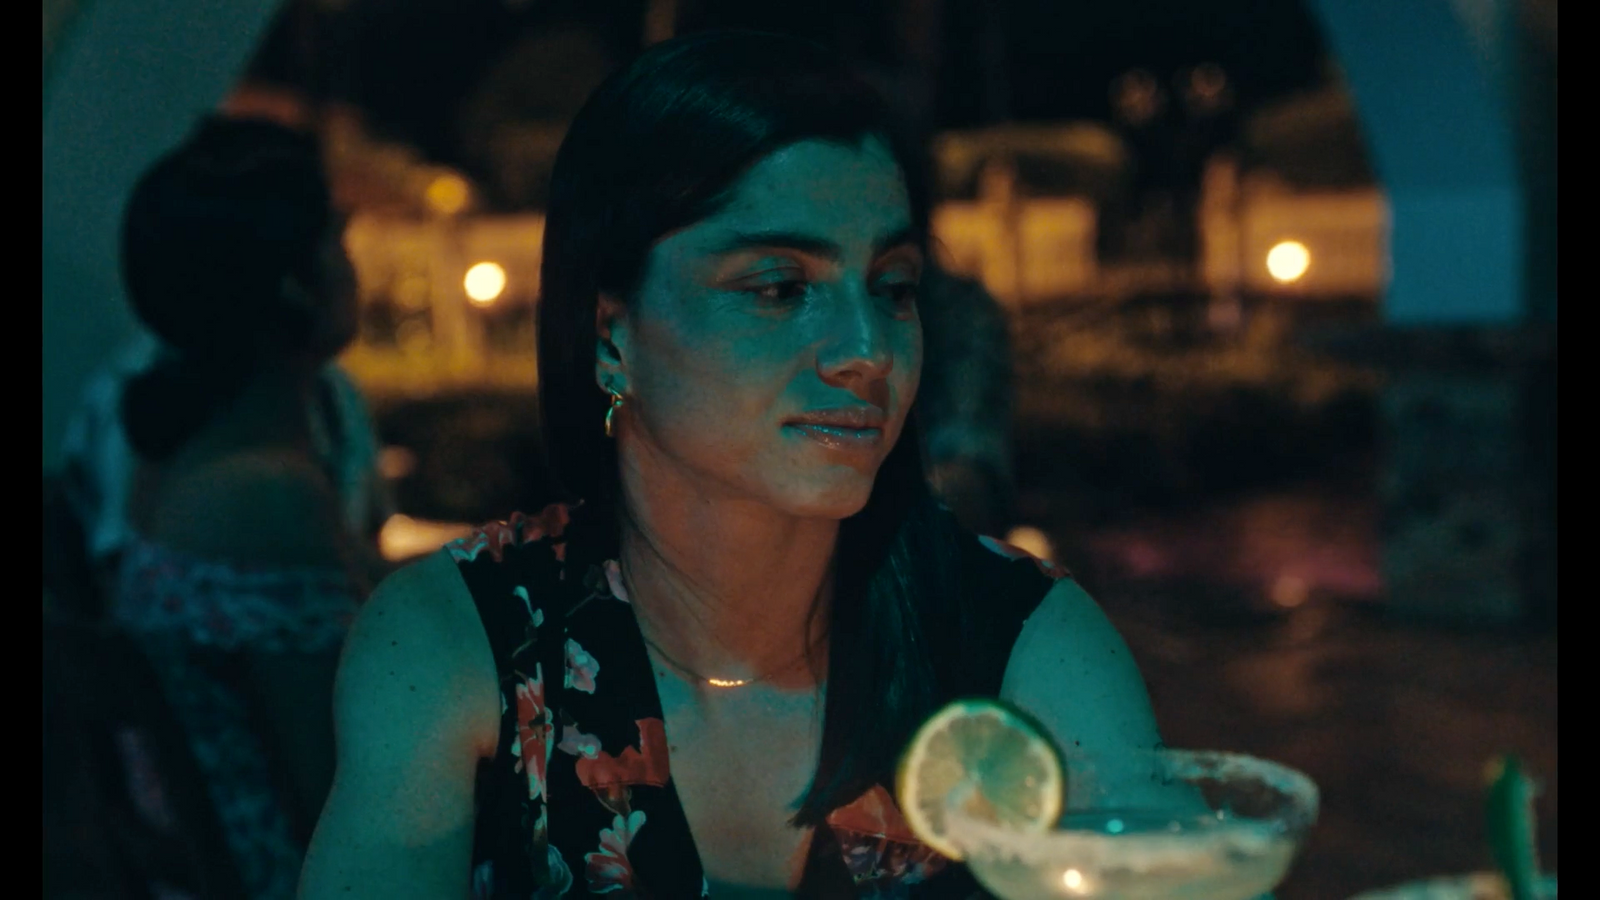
(579, 799)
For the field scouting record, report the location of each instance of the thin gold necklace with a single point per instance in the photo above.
(720, 682)
(627, 583)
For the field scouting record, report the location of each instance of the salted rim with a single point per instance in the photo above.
(980, 840)
(1147, 851)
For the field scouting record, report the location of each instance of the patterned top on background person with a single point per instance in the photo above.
(193, 618)
(100, 465)
(579, 800)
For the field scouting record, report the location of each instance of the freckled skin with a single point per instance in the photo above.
(720, 348)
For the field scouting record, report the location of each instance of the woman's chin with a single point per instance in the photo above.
(830, 499)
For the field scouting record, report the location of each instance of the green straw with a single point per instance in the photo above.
(1511, 826)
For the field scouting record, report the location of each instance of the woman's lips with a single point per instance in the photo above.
(849, 427)
(838, 437)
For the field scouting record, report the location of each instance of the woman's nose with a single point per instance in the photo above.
(857, 345)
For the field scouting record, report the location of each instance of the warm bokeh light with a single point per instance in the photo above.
(1288, 261)
(1032, 540)
(404, 538)
(447, 194)
(1290, 591)
(1073, 879)
(396, 463)
(484, 282)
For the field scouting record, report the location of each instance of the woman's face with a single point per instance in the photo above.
(774, 348)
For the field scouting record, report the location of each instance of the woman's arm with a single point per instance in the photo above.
(415, 707)
(1071, 670)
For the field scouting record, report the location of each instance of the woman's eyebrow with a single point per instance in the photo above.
(806, 243)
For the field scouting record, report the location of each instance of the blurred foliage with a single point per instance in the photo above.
(1168, 347)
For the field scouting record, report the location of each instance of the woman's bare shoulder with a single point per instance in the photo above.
(427, 592)
(1073, 669)
(416, 707)
(267, 506)
(426, 605)
(421, 627)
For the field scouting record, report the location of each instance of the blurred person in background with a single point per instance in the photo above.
(100, 465)
(240, 570)
(126, 812)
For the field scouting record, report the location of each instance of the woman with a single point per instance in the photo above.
(100, 465)
(699, 678)
(240, 577)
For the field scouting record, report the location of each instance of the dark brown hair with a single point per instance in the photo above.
(210, 233)
(656, 148)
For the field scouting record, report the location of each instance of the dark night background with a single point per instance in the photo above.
(1236, 497)
(409, 66)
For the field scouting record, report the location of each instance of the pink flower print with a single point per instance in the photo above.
(551, 521)
(534, 724)
(873, 814)
(560, 877)
(494, 537)
(879, 848)
(616, 797)
(581, 668)
(577, 743)
(646, 765)
(519, 529)
(614, 581)
(483, 881)
(608, 868)
(534, 615)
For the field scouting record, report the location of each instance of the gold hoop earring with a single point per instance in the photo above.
(616, 404)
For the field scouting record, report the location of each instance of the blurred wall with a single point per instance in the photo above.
(125, 81)
(1438, 84)
(1458, 100)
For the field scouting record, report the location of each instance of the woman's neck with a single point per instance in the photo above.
(726, 587)
(269, 412)
(272, 410)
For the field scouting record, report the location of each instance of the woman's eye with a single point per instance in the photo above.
(904, 294)
(787, 291)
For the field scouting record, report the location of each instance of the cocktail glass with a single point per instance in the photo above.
(1206, 825)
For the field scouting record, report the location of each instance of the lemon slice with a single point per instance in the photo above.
(1001, 761)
